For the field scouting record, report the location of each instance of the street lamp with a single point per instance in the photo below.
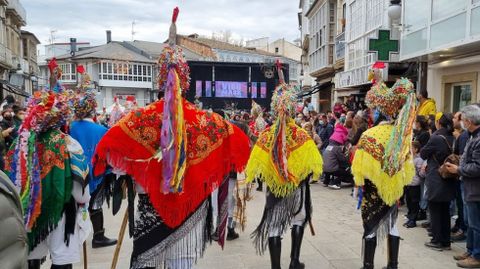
(395, 9)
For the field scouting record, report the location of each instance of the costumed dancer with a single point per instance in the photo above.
(257, 125)
(177, 156)
(285, 157)
(383, 164)
(88, 134)
(49, 169)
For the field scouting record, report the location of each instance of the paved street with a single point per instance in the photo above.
(337, 243)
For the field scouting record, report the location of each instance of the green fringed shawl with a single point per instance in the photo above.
(57, 183)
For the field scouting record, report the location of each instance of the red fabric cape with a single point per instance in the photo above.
(214, 148)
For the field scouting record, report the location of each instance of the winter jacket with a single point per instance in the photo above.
(422, 137)
(435, 152)
(419, 176)
(325, 131)
(461, 143)
(427, 108)
(340, 134)
(469, 168)
(13, 245)
(333, 157)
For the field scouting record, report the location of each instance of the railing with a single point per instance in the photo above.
(340, 47)
(16, 6)
(25, 66)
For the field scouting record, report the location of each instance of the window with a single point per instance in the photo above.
(444, 8)
(68, 72)
(415, 14)
(356, 19)
(276, 50)
(126, 72)
(375, 11)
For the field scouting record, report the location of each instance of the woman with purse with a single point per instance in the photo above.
(440, 186)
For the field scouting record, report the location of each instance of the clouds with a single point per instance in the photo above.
(87, 20)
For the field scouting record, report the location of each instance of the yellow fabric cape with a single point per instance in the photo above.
(303, 159)
(367, 163)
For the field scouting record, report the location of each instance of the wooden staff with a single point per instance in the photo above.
(121, 234)
(312, 230)
(85, 264)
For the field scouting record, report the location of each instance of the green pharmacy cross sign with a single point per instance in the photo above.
(383, 46)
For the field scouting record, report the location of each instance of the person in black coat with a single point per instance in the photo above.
(440, 191)
(421, 133)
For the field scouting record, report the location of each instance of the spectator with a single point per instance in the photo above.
(6, 124)
(459, 230)
(335, 161)
(440, 191)
(421, 132)
(308, 106)
(427, 105)
(14, 243)
(9, 101)
(360, 125)
(338, 108)
(413, 190)
(431, 124)
(325, 131)
(309, 128)
(331, 118)
(469, 171)
(19, 116)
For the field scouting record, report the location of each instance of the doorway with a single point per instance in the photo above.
(461, 95)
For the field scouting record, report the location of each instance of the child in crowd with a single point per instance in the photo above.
(412, 191)
(335, 161)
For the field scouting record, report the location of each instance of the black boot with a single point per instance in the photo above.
(231, 234)
(34, 264)
(369, 246)
(393, 248)
(65, 266)
(99, 239)
(260, 185)
(297, 236)
(275, 249)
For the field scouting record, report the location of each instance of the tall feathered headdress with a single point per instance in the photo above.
(174, 79)
(84, 103)
(284, 101)
(399, 103)
(47, 109)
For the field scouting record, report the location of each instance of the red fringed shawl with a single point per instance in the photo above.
(214, 148)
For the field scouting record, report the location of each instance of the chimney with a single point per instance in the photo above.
(73, 46)
(109, 36)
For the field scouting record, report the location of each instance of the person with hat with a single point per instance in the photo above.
(49, 170)
(285, 157)
(177, 155)
(382, 165)
(88, 134)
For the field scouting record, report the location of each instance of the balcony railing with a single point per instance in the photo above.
(340, 47)
(18, 10)
(25, 66)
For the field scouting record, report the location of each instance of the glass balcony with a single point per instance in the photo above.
(340, 47)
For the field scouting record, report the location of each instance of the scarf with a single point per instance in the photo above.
(41, 171)
(214, 148)
(283, 157)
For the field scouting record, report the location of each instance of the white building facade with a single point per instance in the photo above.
(446, 35)
(364, 19)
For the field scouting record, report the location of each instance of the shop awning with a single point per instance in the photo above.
(13, 89)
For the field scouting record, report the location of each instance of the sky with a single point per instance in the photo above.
(87, 20)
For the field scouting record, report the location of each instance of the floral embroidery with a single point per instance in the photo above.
(205, 132)
(371, 146)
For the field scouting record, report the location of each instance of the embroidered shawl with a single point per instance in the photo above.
(214, 148)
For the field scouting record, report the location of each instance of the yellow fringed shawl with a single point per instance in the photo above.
(303, 159)
(367, 163)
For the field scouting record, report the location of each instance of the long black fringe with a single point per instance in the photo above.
(279, 213)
